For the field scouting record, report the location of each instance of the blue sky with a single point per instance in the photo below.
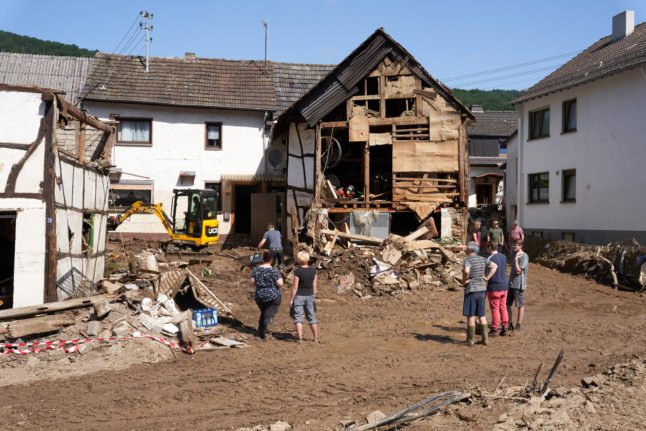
(450, 38)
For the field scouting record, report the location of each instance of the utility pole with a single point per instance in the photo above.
(146, 25)
(264, 23)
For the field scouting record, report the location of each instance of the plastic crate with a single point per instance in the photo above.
(205, 317)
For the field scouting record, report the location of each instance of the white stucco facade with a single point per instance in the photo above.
(178, 146)
(607, 150)
(511, 180)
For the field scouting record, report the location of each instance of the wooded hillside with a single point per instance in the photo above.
(11, 42)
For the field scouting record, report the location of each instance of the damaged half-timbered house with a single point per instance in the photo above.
(377, 146)
(53, 197)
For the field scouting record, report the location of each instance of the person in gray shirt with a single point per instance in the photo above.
(475, 289)
(517, 283)
(275, 245)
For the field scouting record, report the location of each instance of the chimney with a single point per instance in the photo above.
(476, 108)
(623, 24)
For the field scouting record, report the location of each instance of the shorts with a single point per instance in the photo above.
(304, 306)
(517, 296)
(475, 304)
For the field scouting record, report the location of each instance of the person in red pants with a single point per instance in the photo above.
(497, 287)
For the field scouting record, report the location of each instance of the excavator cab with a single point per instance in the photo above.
(194, 221)
(194, 216)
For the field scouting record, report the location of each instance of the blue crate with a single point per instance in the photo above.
(205, 317)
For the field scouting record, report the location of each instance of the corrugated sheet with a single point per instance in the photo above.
(342, 82)
(67, 74)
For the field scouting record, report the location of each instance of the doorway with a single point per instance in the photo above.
(7, 256)
(242, 207)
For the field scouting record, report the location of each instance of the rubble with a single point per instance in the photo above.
(621, 264)
(137, 302)
(376, 266)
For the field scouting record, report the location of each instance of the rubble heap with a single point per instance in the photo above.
(617, 264)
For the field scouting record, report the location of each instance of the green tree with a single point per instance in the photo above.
(490, 100)
(11, 42)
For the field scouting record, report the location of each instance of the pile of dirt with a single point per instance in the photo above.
(617, 264)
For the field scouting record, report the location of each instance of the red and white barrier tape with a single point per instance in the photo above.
(71, 346)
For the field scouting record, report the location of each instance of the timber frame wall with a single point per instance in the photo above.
(57, 184)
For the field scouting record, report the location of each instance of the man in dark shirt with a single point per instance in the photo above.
(275, 244)
(475, 289)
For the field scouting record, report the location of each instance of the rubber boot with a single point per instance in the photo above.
(485, 335)
(471, 334)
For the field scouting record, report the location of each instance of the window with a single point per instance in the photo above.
(569, 116)
(213, 136)
(569, 185)
(539, 123)
(215, 187)
(134, 131)
(124, 195)
(539, 187)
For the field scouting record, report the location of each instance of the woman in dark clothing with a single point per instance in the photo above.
(302, 301)
(268, 283)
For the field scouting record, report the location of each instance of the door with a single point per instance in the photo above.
(7, 257)
(265, 208)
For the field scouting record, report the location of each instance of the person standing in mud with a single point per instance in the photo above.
(268, 282)
(517, 284)
(274, 238)
(475, 288)
(303, 299)
(497, 286)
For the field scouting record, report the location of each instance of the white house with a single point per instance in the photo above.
(488, 138)
(197, 123)
(582, 143)
(53, 197)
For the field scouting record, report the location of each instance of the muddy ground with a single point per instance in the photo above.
(376, 353)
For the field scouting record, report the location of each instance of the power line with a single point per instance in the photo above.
(136, 47)
(126, 35)
(129, 43)
(513, 75)
(513, 66)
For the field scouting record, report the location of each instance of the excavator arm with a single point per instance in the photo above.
(140, 207)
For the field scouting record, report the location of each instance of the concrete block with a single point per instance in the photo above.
(93, 328)
(121, 329)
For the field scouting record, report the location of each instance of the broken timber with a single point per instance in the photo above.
(212, 295)
(352, 236)
(52, 307)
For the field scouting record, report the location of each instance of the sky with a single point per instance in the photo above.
(450, 39)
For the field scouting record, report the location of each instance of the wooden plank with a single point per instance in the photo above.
(212, 295)
(366, 172)
(419, 232)
(422, 156)
(352, 236)
(334, 124)
(39, 325)
(52, 307)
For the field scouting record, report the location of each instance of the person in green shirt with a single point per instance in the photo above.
(496, 235)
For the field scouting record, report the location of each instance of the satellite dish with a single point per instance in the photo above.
(275, 157)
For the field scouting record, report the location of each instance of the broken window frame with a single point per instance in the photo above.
(138, 142)
(217, 143)
(539, 183)
(569, 116)
(568, 190)
(87, 234)
(539, 123)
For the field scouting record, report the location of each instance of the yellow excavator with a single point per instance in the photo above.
(193, 222)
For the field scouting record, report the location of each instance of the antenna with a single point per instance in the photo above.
(145, 25)
(264, 23)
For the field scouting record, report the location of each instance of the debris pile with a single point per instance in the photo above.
(621, 264)
(154, 299)
(375, 266)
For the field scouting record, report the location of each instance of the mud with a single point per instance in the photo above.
(383, 353)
